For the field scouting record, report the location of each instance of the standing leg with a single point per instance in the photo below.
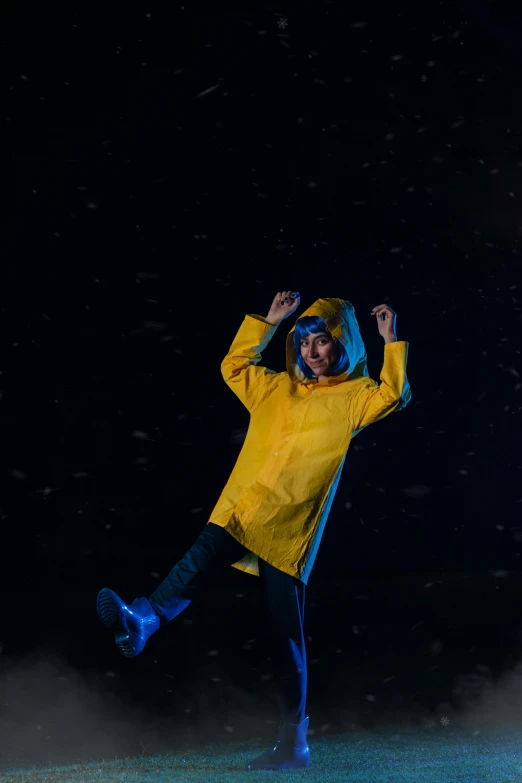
(132, 625)
(284, 602)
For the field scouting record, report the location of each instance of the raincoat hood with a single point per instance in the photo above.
(341, 323)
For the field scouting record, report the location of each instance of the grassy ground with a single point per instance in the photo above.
(413, 755)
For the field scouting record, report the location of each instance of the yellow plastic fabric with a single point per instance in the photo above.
(278, 497)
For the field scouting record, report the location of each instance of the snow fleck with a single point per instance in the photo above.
(155, 326)
(140, 435)
(45, 492)
(238, 436)
(417, 491)
(208, 90)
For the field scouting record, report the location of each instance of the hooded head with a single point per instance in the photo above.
(338, 316)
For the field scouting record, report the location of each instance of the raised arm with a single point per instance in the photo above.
(240, 368)
(373, 401)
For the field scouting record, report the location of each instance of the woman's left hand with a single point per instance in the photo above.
(386, 321)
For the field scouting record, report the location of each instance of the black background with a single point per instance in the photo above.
(175, 167)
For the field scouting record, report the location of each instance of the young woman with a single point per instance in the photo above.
(271, 514)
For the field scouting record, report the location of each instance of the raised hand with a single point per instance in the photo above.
(386, 322)
(284, 304)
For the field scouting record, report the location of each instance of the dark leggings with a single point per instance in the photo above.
(283, 602)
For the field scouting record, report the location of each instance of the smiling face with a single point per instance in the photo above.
(319, 352)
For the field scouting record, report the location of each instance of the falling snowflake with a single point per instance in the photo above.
(444, 721)
(282, 23)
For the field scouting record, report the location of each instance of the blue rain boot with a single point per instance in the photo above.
(291, 750)
(131, 625)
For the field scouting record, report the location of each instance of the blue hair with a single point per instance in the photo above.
(312, 324)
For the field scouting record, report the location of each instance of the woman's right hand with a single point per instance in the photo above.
(284, 304)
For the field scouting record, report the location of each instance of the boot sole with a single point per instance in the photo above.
(112, 616)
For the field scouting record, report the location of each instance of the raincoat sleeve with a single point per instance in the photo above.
(374, 401)
(239, 367)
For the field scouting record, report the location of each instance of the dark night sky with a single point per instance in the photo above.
(175, 167)
(173, 172)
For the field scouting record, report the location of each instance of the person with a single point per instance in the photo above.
(270, 517)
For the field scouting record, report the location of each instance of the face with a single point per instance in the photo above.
(319, 353)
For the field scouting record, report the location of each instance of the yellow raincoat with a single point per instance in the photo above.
(278, 497)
